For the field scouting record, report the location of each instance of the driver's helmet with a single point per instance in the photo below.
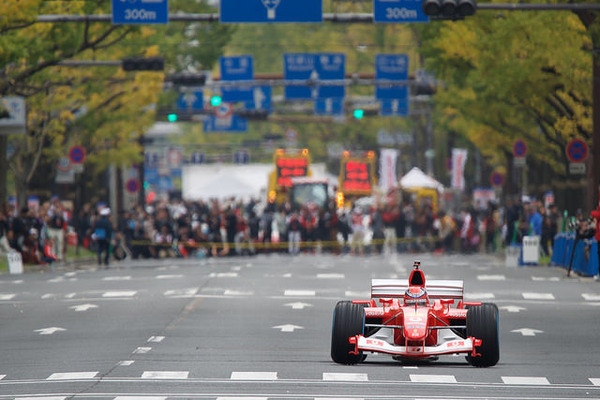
(415, 295)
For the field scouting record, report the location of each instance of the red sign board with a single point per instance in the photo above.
(356, 176)
(288, 168)
(519, 148)
(577, 151)
(77, 154)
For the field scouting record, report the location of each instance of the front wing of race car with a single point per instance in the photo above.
(468, 345)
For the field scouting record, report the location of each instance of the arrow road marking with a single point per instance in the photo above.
(49, 331)
(287, 328)
(527, 331)
(298, 305)
(83, 307)
(513, 308)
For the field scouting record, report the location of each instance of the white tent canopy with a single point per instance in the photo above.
(417, 178)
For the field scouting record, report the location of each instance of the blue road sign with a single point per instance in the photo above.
(392, 67)
(329, 106)
(140, 12)
(237, 68)
(229, 124)
(299, 66)
(261, 99)
(190, 101)
(331, 66)
(322, 66)
(395, 107)
(247, 11)
(399, 11)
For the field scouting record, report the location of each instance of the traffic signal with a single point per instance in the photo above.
(449, 9)
(172, 117)
(359, 113)
(143, 64)
(188, 79)
(216, 101)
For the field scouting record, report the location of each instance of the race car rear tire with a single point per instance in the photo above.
(348, 321)
(482, 323)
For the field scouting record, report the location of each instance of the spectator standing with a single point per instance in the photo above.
(56, 229)
(294, 227)
(390, 217)
(358, 232)
(102, 235)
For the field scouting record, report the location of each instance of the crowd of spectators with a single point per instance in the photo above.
(228, 227)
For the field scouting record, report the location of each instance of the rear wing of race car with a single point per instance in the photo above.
(436, 289)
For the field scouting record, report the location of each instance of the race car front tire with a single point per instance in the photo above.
(348, 321)
(482, 323)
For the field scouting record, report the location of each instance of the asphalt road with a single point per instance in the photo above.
(259, 328)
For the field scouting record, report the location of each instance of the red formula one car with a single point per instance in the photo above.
(415, 320)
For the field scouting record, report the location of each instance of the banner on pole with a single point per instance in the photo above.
(459, 159)
(387, 169)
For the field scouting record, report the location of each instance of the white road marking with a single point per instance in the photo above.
(287, 328)
(72, 375)
(245, 398)
(491, 277)
(42, 398)
(299, 293)
(238, 293)
(527, 331)
(169, 276)
(126, 363)
(339, 398)
(7, 296)
(410, 367)
(70, 295)
(538, 296)
(142, 350)
(49, 331)
(117, 278)
(2, 377)
(525, 380)
(121, 293)
(591, 296)
(224, 275)
(513, 309)
(83, 307)
(357, 295)
(165, 374)
(345, 377)
(595, 381)
(139, 398)
(156, 339)
(288, 275)
(18, 282)
(298, 305)
(182, 293)
(479, 296)
(433, 378)
(48, 296)
(544, 279)
(331, 276)
(253, 376)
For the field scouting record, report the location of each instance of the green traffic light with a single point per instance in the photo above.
(358, 113)
(172, 117)
(215, 101)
